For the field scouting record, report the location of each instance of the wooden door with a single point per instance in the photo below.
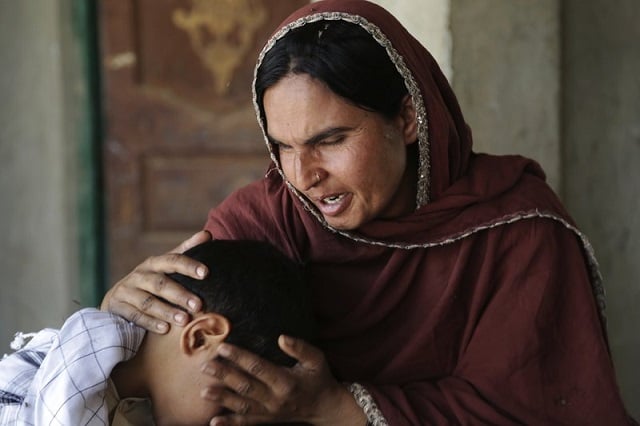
(180, 132)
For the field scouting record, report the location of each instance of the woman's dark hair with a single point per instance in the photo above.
(259, 290)
(342, 55)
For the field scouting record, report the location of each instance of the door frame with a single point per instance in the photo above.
(90, 205)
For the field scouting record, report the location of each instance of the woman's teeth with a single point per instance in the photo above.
(333, 199)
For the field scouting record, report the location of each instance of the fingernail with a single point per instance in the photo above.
(224, 350)
(201, 271)
(206, 393)
(211, 371)
(161, 326)
(180, 318)
(287, 340)
(193, 305)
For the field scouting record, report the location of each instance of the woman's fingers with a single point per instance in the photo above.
(192, 241)
(142, 295)
(257, 391)
(243, 411)
(232, 401)
(235, 420)
(262, 379)
(239, 420)
(150, 276)
(309, 357)
(142, 307)
(148, 304)
(170, 263)
(136, 316)
(244, 386)
(236, 394)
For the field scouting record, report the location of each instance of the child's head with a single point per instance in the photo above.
(260, 291)
(252, 294)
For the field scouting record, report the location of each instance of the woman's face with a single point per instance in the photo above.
(349, 162)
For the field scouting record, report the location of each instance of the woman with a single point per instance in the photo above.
(451, 287)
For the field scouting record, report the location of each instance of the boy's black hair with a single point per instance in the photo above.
(260, 291)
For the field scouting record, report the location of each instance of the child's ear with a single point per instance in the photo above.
(205, 332)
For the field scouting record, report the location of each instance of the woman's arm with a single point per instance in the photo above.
(136, 297)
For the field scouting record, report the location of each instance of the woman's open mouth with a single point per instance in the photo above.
(334, 204)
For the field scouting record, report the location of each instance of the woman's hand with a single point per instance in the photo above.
(257, 391)
(135, 297)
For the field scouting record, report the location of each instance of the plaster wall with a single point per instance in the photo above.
(428, 21)
(506, 62)
(37, 246)
(601, 164)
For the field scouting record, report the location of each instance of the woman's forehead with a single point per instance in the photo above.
(305, 107)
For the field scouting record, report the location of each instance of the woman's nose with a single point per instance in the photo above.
(306, 171)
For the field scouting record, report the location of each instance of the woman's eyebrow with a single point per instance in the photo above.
(317, 137)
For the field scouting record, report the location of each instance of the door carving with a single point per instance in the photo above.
(180, 133)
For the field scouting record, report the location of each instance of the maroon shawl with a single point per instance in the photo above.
(479, 307)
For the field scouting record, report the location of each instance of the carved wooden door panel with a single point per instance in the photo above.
(180, 131)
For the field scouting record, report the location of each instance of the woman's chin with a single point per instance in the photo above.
(341, 225)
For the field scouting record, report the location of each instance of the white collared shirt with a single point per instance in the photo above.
(61, 377)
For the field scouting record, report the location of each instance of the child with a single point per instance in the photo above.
(100, 369)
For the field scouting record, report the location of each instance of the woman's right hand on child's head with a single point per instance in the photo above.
(135, 297)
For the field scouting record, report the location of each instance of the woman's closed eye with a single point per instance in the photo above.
(282, 146)
(331, 141)
(328, 142)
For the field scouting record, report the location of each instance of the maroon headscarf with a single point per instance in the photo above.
(451, 178)
(477, 308)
